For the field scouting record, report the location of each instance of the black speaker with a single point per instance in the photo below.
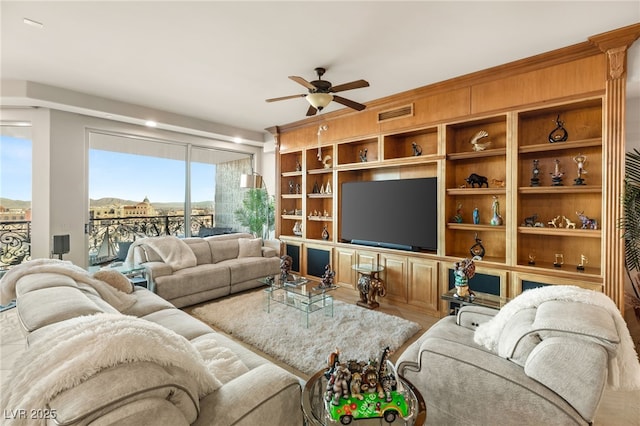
(60, 244)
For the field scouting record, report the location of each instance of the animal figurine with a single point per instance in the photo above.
(286, 262)
(587, 223)
(355, 386)
(475, 179)
(417, 149)
(338, 384)
(554, 222)
(477, 146)
(326, 162)
(531, 220)
(498, 182)
(568, 223)
(370, 383)
(363, 155)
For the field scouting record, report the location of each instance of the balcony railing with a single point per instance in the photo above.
(109, 239)
(15, 243)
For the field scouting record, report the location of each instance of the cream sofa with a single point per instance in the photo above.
(544, 358)
(100, 356)
(193, 270)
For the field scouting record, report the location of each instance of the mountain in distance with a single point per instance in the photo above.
(8, 203)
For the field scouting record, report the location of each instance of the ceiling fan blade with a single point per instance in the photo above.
(349, 103)
(311, 111)
(348, 86)
(284, 98)
(303, 82)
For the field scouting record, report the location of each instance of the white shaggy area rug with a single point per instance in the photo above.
(357, 332)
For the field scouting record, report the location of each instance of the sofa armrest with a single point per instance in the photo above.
(273, 245)
(472, 316)
(274, 400)
(158, 269)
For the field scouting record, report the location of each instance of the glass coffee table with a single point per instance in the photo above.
(304, 295)
(315, 411)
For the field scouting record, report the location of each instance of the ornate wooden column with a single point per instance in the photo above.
(275, 131)
(614, 45)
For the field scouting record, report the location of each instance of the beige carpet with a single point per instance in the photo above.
(358, 333)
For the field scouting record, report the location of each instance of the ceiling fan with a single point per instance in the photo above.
(321, 93)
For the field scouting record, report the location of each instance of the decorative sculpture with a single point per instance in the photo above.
(477, 146)
(476, 216)
(498, 183)
(458, 217)
(583, 261)
(417, 149)
(325, 233)
(568, 223)
(580, 160)
(496, 219)
(587, 223)
(475, 179)
(370, 287)
(327, 278)
(316, 188)
(286, 262)
(463, 271)
(535, 174)
(556, 176)
(291, 187)
(530, 220)
(532, 258)
(326, 162)
(559, 134)
(559, 261)
(363, 155)
(477, 250)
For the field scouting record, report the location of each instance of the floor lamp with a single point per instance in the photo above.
(255, 181)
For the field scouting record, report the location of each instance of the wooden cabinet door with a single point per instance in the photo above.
(423, 284)
(345, 275)
(395, 276)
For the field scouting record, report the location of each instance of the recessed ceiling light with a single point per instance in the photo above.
(33, 23)
(151, 123)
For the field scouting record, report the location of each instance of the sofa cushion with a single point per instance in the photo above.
(61, 304)
(192, 280)
(222, 250)
(244, 269)
(146, 303)
(249, 247)
(41, 280)
(179, 322)
(200, 248)
(115, 279)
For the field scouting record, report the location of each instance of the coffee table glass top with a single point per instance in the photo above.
(481, 299)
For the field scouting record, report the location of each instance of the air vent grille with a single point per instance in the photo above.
(391, 114)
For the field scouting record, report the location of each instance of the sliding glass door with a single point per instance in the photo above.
(140, 187)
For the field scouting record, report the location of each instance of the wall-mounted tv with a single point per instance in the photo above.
(399, 213)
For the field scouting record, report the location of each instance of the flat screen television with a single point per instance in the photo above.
(399, 213)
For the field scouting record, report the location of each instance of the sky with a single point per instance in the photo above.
(111, 174)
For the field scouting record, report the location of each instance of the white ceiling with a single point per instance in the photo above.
(219, 61)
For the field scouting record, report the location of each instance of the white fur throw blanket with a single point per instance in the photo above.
(118, 299)
(172, 250)
(624, 369)
(88, 344)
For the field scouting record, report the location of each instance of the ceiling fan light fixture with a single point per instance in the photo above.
(319, 100)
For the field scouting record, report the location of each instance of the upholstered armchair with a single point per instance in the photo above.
(545, 358)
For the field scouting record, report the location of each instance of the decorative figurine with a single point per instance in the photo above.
(297, 188)
(475, 179)
(568, 223)
(498, 183)
(496, 219)
(291, 187)
(477, 250)
(327, 278)
(530, 220)
(587, 223)
(556, 176)
(297, 229)
(316, 188)
(322, 189)
(559, 134)
(532, 258)
(286, 262)
(583, 261)
(580, 160)
(326, 162)
(477, 146)
(535, 174)
(458, 217)
(325, 233)
(559, 260)
(463, 271)
(417, 149)
(476, 216)
(298, 166)
(363, 155)
(327, 189)
(555, 222)
(338, 384)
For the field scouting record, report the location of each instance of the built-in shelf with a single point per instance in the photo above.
(477, 154)
(557, 146)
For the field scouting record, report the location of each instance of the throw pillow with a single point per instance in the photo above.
(115, 279)
(249, 247)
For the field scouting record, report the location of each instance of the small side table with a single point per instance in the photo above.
(370, 285)
(137, 274)
(481, 299)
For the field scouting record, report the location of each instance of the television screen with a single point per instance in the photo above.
(402, 213)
